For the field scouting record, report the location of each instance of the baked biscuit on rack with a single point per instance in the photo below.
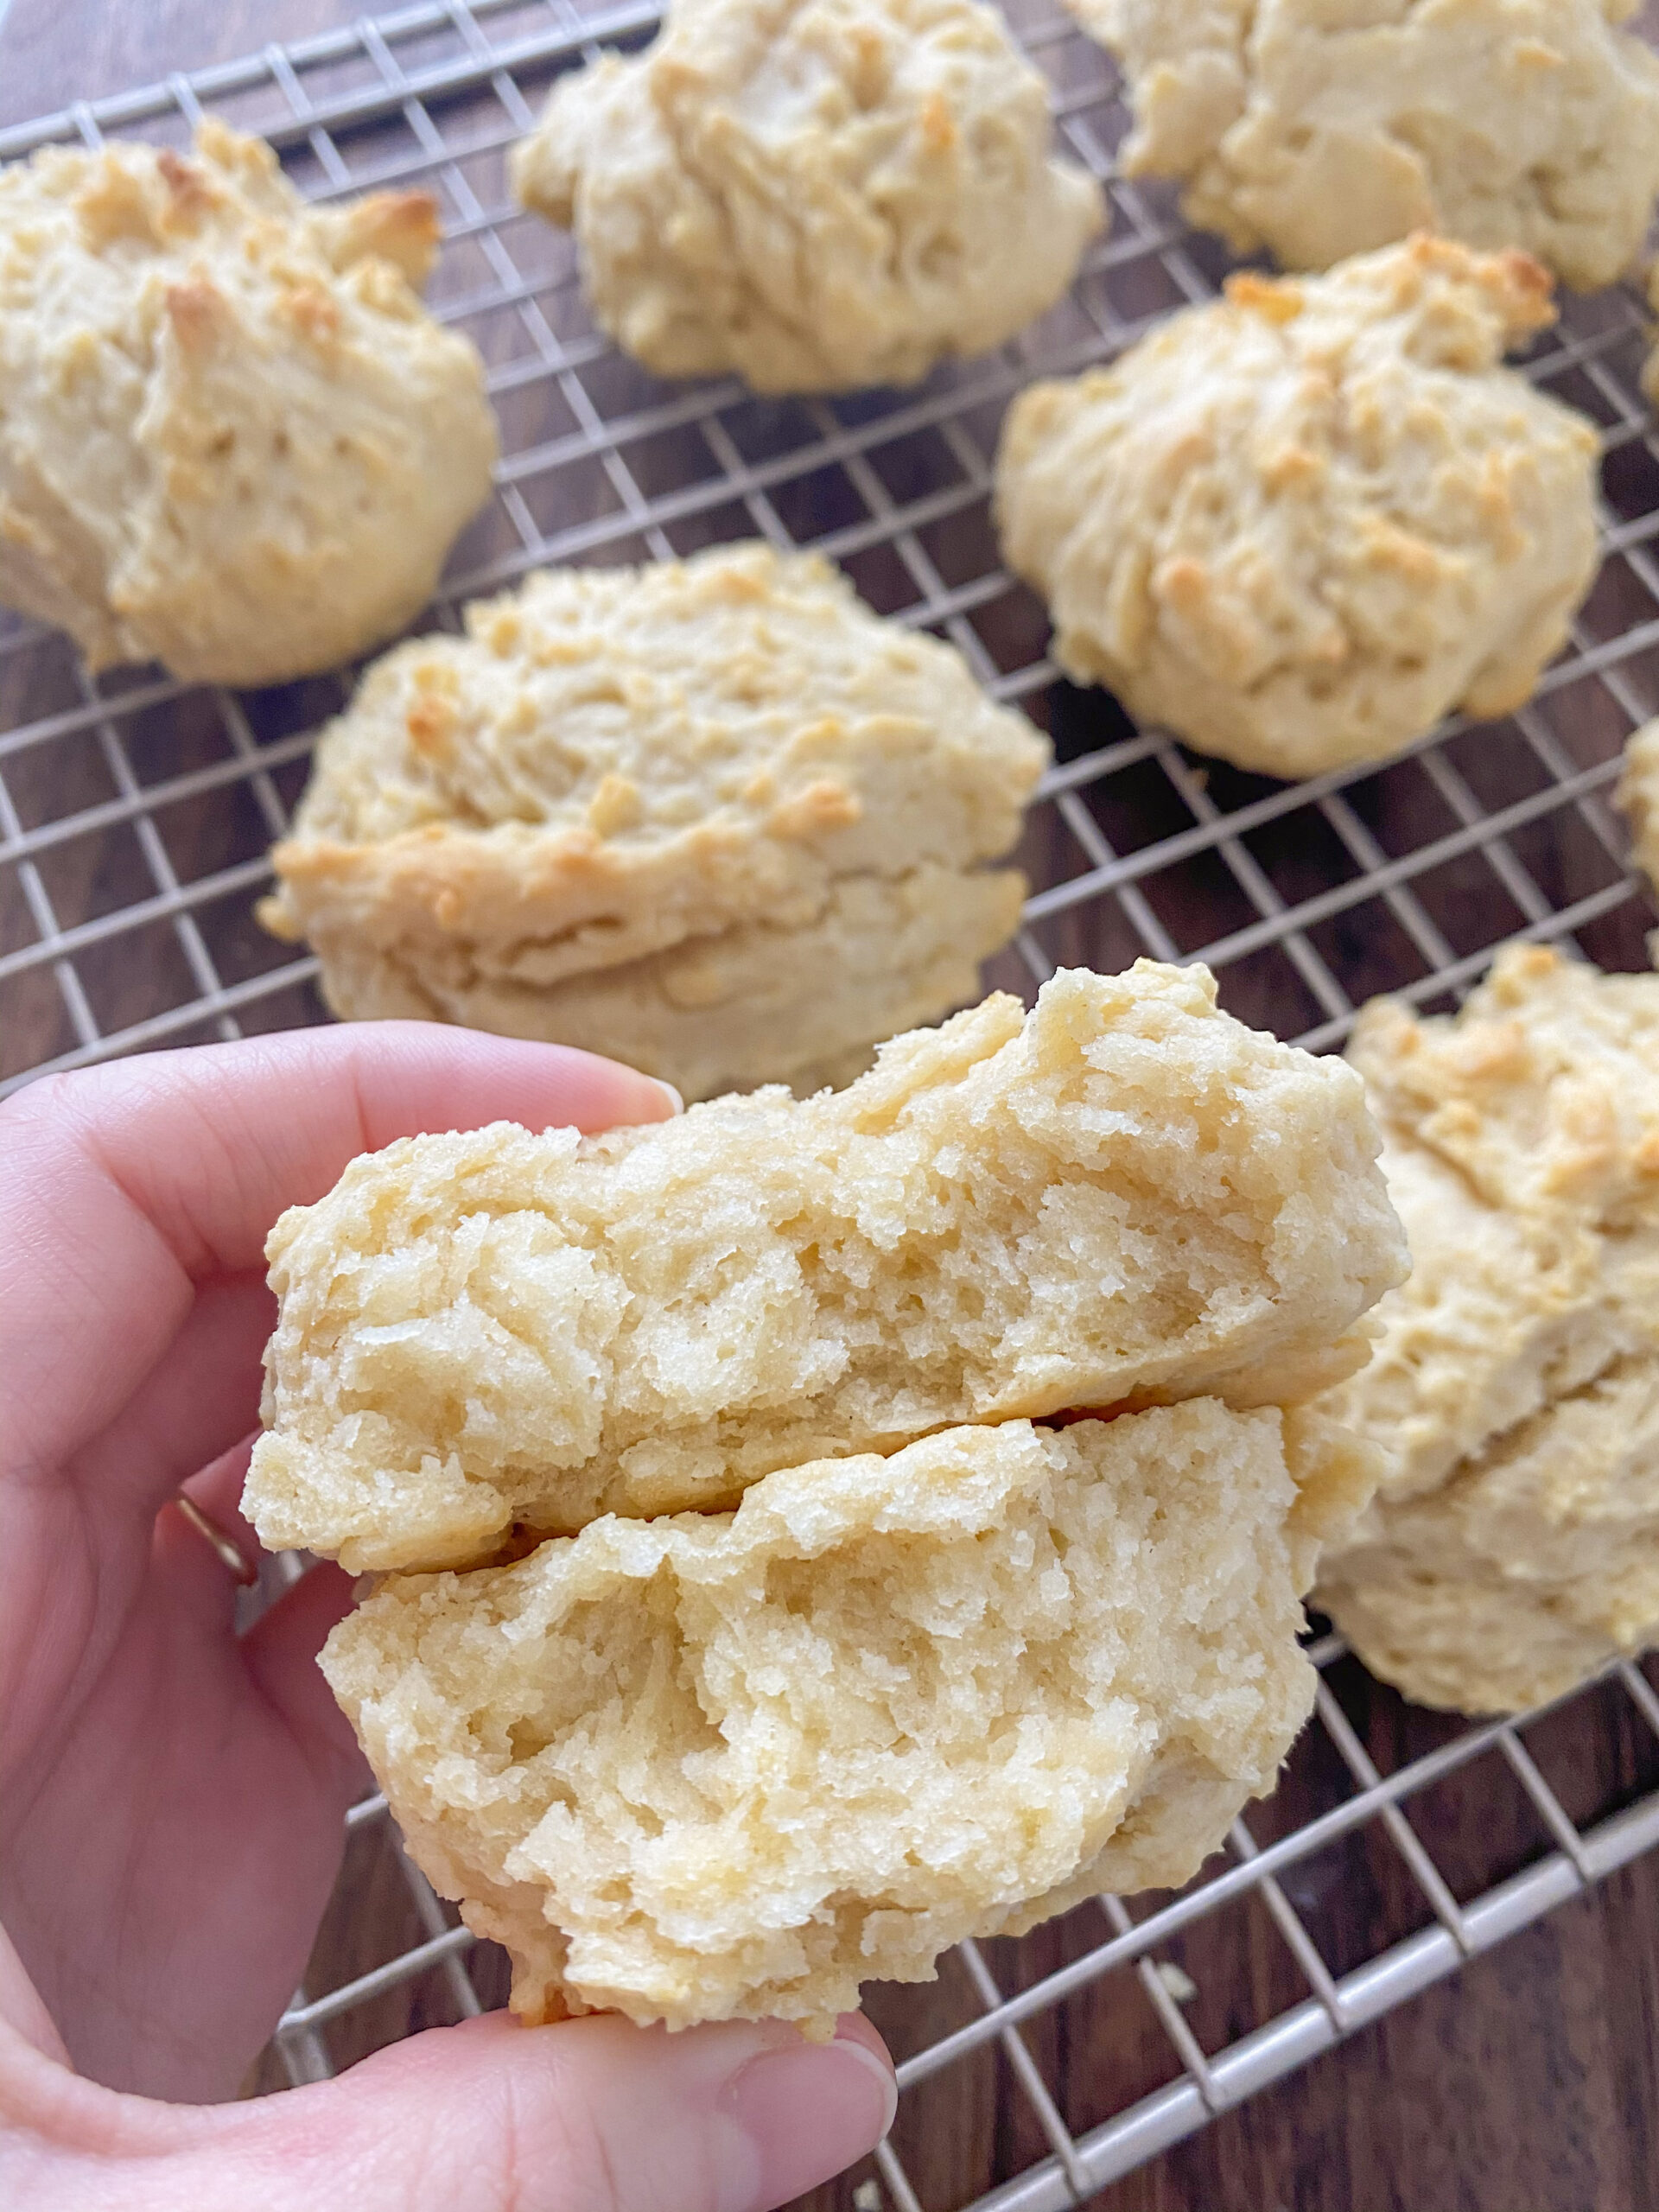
(1513, 1546)
(746, 1005)
(1322, 128)
(737, 1763)
(232, 439)
(1299, 524)
(716, 812)
(1125, 1195)
(819, 195)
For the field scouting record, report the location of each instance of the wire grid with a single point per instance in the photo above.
(134, 819)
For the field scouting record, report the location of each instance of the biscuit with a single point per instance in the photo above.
(1513, 1546)
(819, 195)
(1322, 128)
(1638, 797)
(1124, 1195)
(231, 437)
(755, 1004)
(735, 1764)
(1297, 525)
(611, 760)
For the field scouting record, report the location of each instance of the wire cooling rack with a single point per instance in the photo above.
(134, 819)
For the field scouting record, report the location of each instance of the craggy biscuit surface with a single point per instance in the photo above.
(817, 193)
(232, 439)
(1124, 1194)
(757, 1003)
(1513, 1546)
(1300, 523)
(1322, 128)
(613, 760)
(739, 1764)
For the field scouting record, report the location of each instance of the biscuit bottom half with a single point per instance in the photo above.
(734, 1764)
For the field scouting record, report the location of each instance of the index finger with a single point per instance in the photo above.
(126, 1186)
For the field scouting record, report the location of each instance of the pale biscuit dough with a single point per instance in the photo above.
(1300, 525)
(1514, 1544)
(819, 195)
(614, 760)
(739, 1764)
(1322, 128)
(753, 1004)
(231, 437)
(1125, 1194)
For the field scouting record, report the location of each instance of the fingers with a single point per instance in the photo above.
(280, 1653)
(193, 1406)
(593, 2115)
(211, 1145)
(127, 1185)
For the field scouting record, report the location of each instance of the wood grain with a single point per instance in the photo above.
(1530, 2082)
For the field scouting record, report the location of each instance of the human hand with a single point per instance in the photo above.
(172, 1796)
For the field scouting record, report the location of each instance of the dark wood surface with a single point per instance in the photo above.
(1529, 2083)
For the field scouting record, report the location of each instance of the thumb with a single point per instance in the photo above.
(591, 2115)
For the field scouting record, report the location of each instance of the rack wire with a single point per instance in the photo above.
(134, 821)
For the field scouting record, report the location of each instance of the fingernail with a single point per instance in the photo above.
(675, 1102)
(798, 2114)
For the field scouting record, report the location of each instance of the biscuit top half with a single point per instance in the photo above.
(612, 760)
(1124, 1197)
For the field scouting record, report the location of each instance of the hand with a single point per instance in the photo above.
(171, 1796)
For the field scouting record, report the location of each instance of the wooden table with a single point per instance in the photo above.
(1530, 2082)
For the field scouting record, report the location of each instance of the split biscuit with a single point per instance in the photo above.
(820, 194)
(1322, 128)
(1298, 525)
(1513, 1546)
(736, 1764)
(1124, 1196)
(232, 439)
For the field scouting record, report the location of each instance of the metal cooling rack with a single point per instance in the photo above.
(134, 819)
